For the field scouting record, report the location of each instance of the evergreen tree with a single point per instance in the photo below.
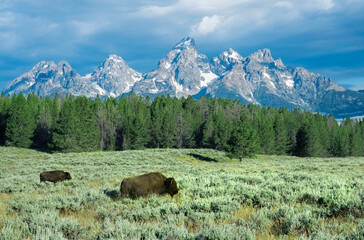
(65, 132)
(357, 143)
(307, 140)
(21, 124)
(88, 135)
(156, 112)
(266, 133)
(244, 141)
(105, 121)
(5, 103)
(44, 125)
(222, 131)
(281, 139)
(208, 133)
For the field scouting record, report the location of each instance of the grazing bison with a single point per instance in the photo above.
(150, 183)
(55, 176)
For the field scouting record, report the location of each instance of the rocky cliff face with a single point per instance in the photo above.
(182, 72)
(112, 78)
(258, 79)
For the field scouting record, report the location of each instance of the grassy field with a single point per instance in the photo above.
(269, 197)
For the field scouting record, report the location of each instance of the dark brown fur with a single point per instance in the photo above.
(55, 176)
(150, 183)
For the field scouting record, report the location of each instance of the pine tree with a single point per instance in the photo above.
(356, 142)
(208, 133)
(156, 113)
(43, 131)
(266, 134)
(65, 132)
(5, 103)
(281, 139)
(21, 124)
(244, 141)
(222, 131)
(105, 121)
(88, 135)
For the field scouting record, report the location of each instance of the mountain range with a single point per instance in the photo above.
(258, 79)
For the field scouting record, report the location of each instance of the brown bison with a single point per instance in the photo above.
(55, 176)
(150, 183)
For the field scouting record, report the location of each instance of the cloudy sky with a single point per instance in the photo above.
(324, 36)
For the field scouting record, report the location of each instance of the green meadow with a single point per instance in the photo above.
(266, 197)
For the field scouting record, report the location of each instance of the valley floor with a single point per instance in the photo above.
(268, 197)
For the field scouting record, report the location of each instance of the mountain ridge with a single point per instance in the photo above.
(257, 78)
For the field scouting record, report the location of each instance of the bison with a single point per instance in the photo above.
(150, 183)
(55, 176)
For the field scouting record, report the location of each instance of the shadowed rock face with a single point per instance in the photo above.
(55, 176)
(147, 184)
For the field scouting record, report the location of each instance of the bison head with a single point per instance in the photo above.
(171, 186)
(68, 176)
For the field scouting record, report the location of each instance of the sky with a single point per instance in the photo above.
(324, 36)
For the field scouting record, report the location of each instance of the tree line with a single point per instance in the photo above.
(77, 124)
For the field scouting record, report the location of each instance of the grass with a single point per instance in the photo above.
(268, 197)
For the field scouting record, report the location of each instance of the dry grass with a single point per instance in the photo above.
(245, 212)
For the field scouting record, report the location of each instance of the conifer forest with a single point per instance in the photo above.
(79, 124)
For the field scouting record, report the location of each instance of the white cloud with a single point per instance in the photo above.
(85, 28)
(6, 18)
(206, 26)
(324, 4)
(284, 4)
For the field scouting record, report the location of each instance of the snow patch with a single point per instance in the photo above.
(208, 77)
(272, 84)
(288, 80)
(100, 90)
(184, 43)
(235, 55)
(136, 78)
(45, 66)
(179, 87)
(116, 58)
(167, 65)
(336, 87)
(267, 75)
(29, 83)
(153, 91)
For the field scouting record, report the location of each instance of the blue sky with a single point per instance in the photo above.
(324, 36)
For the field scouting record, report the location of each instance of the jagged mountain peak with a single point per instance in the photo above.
(231, 54)
(43, 65)
(186, 41)
(114, 58)
(64, 66)
(226, 61)
(114, 76)
(257, 79)
(278, 63)
(263, 55)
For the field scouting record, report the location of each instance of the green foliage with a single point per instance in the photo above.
(20, 125)
(75, 129)
(77, 124)
(268, 197)
(244, 141)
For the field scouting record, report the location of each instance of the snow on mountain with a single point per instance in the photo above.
(114, 76)
(182, 72)
(258, 79)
